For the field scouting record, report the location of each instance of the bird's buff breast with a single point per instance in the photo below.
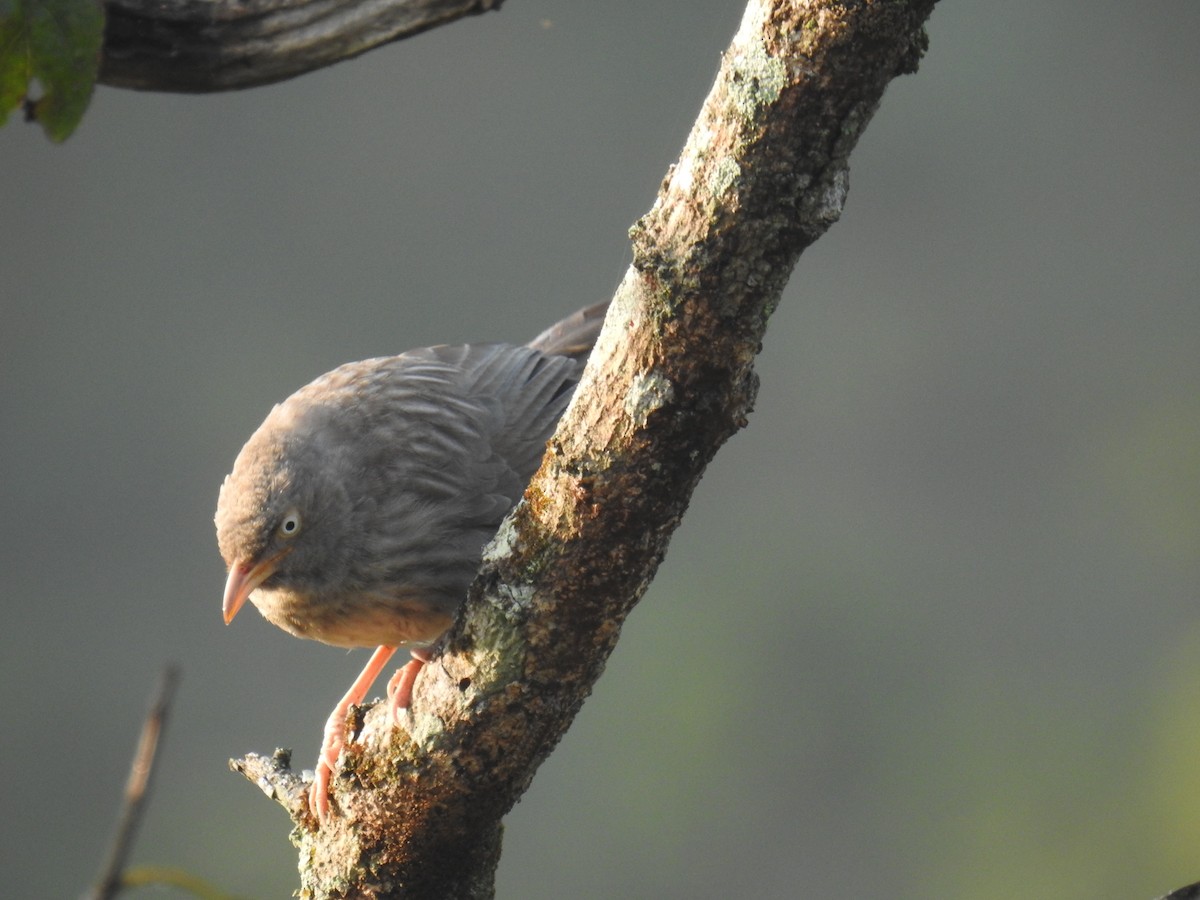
(356, 620)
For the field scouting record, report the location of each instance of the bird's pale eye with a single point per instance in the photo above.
(289, 525)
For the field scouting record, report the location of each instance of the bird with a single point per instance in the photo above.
(357, 512)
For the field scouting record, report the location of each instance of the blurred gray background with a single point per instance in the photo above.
(931, 627)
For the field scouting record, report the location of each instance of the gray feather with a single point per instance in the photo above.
(400, 468)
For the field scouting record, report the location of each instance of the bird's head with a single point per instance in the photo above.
(281, 511)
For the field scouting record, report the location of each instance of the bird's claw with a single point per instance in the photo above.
(318, 793)
(399, 692)
(332, 744)
(400, 686)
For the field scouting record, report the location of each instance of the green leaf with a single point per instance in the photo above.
(58, 43)
(141, 876)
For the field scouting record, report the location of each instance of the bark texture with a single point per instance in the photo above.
(763, 174)
(195, 46)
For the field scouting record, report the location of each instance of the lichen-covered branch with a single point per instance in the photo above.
(763, 174)
(196, 46)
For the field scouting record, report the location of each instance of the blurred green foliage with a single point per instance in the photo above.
(55, 43)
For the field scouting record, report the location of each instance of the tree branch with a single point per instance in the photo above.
(196, 46)
(137, 789)
(763, 174)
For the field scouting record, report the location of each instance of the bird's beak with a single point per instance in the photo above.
(243, 579)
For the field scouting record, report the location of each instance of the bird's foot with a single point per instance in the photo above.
(332, 744)
(334, 740)
(318, 793)
(399, 689)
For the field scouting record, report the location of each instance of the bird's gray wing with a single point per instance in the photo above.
(574, 335)
(526, 392)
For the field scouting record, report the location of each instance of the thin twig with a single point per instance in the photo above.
(136, 790)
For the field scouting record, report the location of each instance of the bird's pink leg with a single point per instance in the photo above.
(335, 732)
(400, 687)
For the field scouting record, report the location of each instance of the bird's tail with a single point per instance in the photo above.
(573, 336)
